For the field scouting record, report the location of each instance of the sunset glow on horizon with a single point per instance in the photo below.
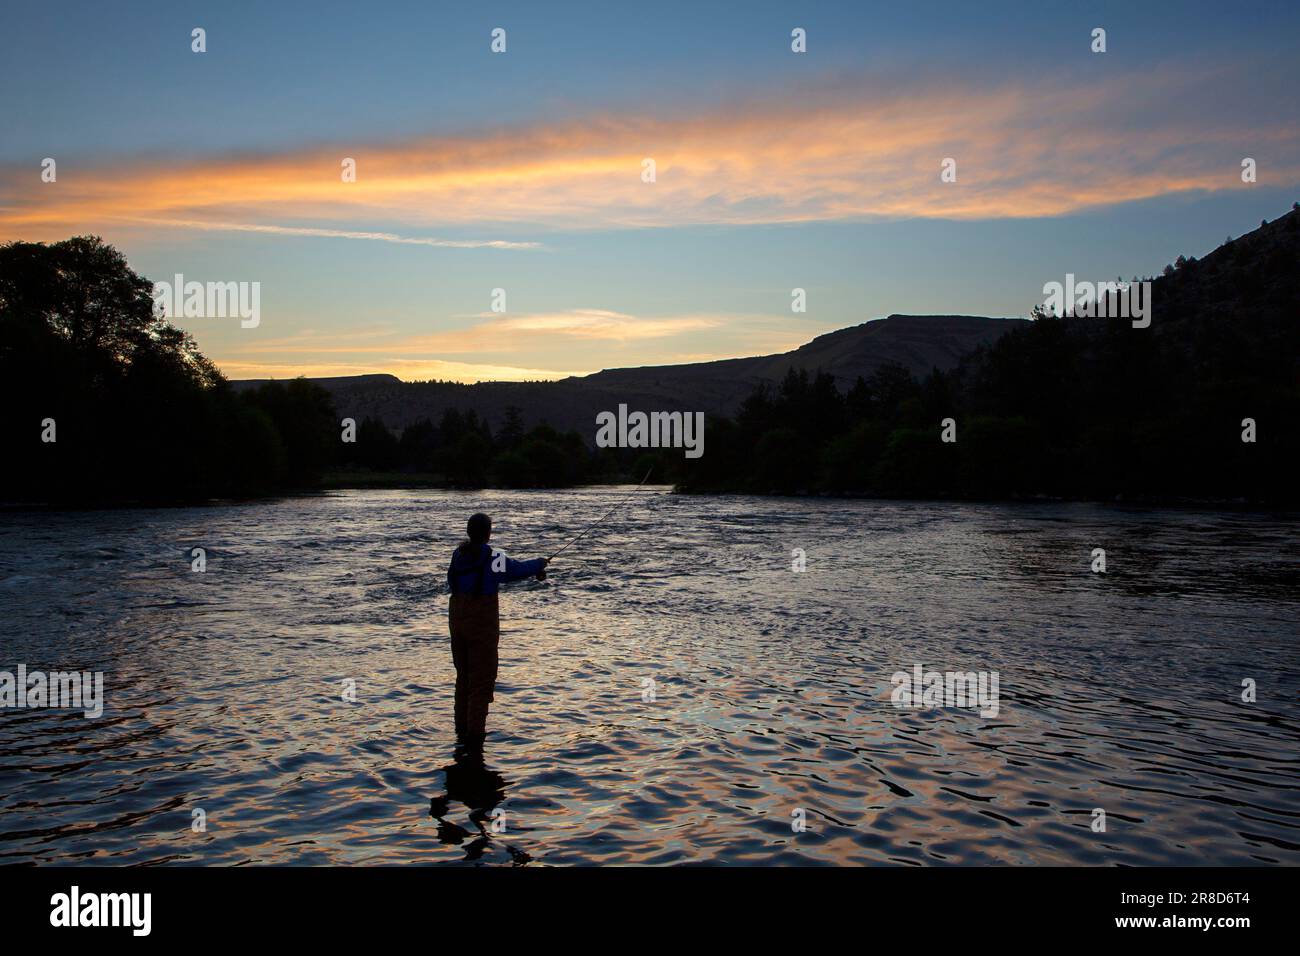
(820, 174)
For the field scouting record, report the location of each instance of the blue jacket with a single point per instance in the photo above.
(472, 572)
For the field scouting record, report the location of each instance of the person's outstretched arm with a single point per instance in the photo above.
(517, 570)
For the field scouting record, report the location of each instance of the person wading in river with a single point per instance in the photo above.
(475, 574)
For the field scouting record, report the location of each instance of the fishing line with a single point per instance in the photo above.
(598, 521)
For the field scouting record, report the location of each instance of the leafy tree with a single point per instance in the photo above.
(139, 414)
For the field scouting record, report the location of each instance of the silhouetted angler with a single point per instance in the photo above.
(475, 574)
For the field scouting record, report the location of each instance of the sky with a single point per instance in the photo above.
(525, 170)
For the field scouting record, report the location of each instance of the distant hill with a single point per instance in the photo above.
(917, 342)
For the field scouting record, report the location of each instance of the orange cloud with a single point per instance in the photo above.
(1041, 148)
(548, 338)
(407, 370)
(606, 326)
(586, 324)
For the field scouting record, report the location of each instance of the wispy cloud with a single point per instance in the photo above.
(862, 149)
(409, 370)
(538, 328)
(608, 326)
(333, 234)
(557, 339)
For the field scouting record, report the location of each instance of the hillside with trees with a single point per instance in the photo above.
(1065, 407)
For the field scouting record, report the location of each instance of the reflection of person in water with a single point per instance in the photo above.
(469, 781)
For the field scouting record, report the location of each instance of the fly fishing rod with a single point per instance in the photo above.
(601, 519)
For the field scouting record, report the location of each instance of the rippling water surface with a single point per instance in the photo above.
(772, 688)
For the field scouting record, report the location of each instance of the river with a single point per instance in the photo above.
(675, 692)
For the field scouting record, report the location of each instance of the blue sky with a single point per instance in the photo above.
(776, 170)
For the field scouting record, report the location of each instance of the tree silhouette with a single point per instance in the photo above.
(138, 413)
